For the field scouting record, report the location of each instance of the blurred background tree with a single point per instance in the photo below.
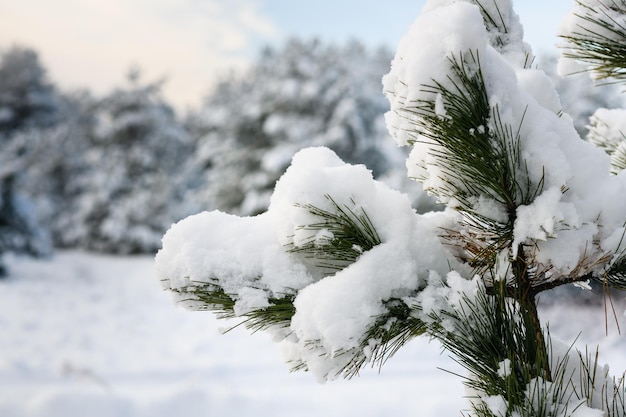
(28, 104)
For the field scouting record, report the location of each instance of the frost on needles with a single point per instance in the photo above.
(343, 271)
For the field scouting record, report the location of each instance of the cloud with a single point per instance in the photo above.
(94, 43)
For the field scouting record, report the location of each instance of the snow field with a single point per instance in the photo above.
(92, 335)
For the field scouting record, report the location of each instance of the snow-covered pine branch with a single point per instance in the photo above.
(255, 260)
(564, 196)
(344, 272)
(594, 37)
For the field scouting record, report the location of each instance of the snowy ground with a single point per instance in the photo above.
(90, 335)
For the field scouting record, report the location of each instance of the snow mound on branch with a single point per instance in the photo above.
(248, 259)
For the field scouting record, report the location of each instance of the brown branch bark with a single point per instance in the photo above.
(524, 294)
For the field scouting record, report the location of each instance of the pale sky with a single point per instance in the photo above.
(93, 43)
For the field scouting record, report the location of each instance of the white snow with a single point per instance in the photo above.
(91, 335)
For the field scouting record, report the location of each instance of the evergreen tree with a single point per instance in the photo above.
(129, 192)
(28, 102)
(27, 99)
(58, 165)
(344, 272)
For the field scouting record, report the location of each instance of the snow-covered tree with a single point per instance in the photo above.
(344, 272)
(27, 99)
(28, 102)
(54, 178)
(130, 191)
(305, 93)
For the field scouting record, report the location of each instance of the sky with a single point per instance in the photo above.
(193, 43)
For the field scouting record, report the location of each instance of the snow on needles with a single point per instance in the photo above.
(575, 207)
(247, 257)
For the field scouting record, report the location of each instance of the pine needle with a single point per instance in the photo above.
(350, 233)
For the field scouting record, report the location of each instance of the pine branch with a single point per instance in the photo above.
(548, 285)
(600, 40)
(489, 332)
(478, 152)
(491, 342)
(212, 297)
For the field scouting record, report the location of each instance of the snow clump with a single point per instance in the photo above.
(247, 258)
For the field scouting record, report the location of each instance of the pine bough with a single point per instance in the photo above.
(343, 271)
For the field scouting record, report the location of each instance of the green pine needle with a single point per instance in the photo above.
(385, 337)
(611, 390)
(615, 275)
(277, 315)
(210, 296)
(349, 232)
(494, 24)
(207, 296)
(491, 331)
(478, 152)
